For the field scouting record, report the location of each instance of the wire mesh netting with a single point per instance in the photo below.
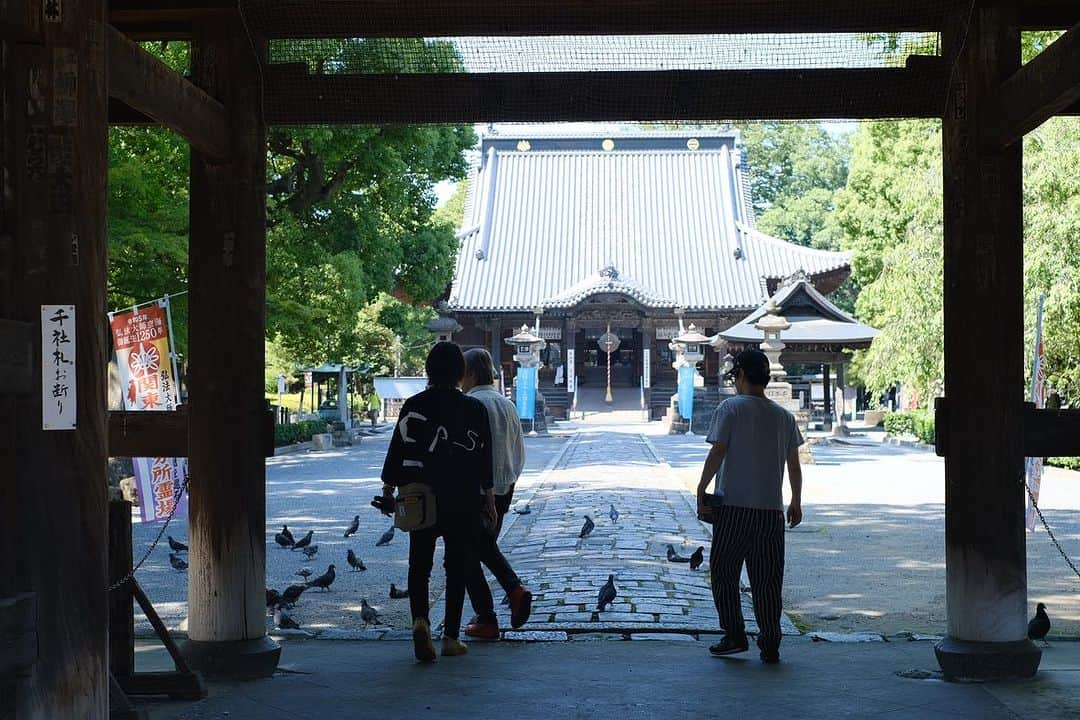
(604, 53)
(377, 61)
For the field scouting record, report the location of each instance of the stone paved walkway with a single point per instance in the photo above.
(565, 572)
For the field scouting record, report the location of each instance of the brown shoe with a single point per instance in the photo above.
(452, 647)
(421, 638)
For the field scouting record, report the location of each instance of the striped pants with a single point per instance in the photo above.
(755, 536)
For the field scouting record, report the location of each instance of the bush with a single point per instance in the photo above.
(918, 423)
(1069, 463)
(289, 433)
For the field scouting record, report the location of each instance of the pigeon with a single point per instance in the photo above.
(1040, 624)
(607, 594)
(354, 562)
(386, 537)
(273, 598)
(697, 558)
(284, 538)
(292, 594)
(353, 526)
(396, 594)
(368, 614)
(587, 527)
(310, 551)
(522, 509)
(304, 572)
(177, 562)
(325, 580)
(673, 556)
(176, 545)
(613, 514)
(304, 541)
(283, 621)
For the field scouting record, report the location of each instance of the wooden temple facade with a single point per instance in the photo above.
(69, 69)
(627, 232)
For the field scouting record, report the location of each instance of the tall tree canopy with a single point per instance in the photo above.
(350, 212)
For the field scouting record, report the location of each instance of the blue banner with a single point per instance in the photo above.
(686, 391)
(526, 392)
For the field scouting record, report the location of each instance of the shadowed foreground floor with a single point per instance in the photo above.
(621, 679)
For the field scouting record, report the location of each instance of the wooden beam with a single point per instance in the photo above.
(295, 98)
(149, 86)
(1050, 433)
(1046, 86)
(120, 113)
(148, 434)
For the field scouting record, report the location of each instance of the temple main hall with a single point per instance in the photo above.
(626, 232)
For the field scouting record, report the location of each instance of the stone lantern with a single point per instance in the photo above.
(688, 347)
(442, 328)
(527, 346)
(771, 324)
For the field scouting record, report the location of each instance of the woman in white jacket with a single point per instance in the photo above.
(508, 460)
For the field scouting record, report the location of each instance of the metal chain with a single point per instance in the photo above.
(1050, 532)
(146, 556)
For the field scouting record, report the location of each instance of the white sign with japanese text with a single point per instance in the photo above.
(57, 367)
(571, 379)
(646, 368)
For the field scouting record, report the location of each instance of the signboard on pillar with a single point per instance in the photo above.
(526, 393)
(58, 367)
(646, 367)
(571, 371)
(148, 377)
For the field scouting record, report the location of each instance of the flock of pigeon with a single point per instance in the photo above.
(608, 591)
(277, 602)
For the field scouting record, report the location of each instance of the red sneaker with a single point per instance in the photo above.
(483, 630)
(520, 606)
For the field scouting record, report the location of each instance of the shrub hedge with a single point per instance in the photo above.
(918, 423)
(289, 433)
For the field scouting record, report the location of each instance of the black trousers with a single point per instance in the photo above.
(755, 536)
(488, 552)
(459, 560)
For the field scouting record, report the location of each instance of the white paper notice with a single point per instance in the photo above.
(571, 378)
(646, 368)
(58, 367)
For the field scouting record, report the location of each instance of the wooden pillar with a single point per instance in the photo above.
(53, 172)
(227, 511)
(496, 350)
(986, 575)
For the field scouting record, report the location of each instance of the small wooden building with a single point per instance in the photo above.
(625, 231)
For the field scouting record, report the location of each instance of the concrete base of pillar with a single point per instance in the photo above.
(233, 659)
(963, 660)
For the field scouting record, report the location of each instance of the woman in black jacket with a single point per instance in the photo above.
(443, 439)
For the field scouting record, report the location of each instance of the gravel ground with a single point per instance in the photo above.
(319, 491)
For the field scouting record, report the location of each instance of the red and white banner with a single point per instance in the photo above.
(148, 383)
(1033, 467)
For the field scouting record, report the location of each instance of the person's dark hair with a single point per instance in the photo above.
(755, 367)
(445, 365)
(479, 364)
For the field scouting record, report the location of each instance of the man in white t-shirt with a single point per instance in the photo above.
(752, 440)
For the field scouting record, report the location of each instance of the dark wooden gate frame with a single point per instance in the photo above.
(67, 75)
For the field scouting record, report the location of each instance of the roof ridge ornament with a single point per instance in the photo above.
(798, 276)
(609, 271)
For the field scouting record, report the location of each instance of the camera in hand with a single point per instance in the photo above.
(384, 504)
(712, 502)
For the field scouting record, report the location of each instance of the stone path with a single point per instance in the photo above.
(565, 572)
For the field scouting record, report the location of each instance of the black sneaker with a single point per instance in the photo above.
(771, 657)
(729, 646)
